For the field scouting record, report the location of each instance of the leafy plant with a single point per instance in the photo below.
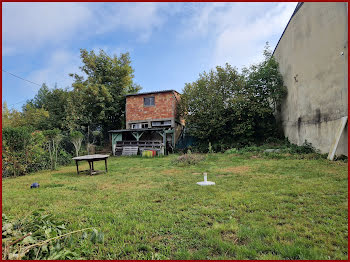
(23, 151)
(40, 236)
(54, 138)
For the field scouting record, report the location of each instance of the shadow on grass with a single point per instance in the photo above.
(83, 173)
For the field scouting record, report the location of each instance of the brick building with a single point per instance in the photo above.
(151, 122)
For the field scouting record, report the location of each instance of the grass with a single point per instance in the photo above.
(149, 208)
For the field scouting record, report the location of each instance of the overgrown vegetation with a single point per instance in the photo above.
(40, 236)
(227, 108)
(39, 136)
(188, 159)
(26, 150)
(149, 208)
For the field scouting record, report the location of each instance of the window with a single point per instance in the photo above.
(161, 123)
(148, 101)
(135, 126)
(139, 125)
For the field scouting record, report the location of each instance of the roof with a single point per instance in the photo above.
(295, 11)
(153, 92)
(136, 130)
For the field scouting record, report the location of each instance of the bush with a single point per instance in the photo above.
(23, 151)
(281, 149)
(189, 159)
(64, 158)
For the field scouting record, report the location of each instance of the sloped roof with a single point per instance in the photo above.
(153, 92)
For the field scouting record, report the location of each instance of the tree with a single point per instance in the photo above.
(11, 118)
(76, 138)
(53, 138)
(205, 103)
(99, 98)
(54, 101)
(35, 117)
(228, 109)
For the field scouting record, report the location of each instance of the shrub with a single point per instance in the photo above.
(53, 140)
(281, 149)
(22, 151)
(188, 159)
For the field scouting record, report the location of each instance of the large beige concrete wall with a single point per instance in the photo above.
(313, 59)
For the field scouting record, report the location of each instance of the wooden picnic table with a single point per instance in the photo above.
(91, 159)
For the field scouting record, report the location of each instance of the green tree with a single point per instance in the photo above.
(205, 103)
(99, 98)
(227, 108)
(54, 101)
(11, 118)
(35, 117)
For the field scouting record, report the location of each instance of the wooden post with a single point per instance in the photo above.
(338, 133)
(137, 135)
(90, 167)
(106, 165)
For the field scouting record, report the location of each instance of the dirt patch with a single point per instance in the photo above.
(236, 169)
(229, 236)
(223, 176)
(196, 173)
(161, 238)
(255, 157)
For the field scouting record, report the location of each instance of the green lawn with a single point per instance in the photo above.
(148, 208)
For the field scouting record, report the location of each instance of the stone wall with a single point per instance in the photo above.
(313, 59)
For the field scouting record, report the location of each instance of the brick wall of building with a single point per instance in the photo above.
(165, 105)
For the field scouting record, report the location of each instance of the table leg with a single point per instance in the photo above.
(90, 168)
(76, 162)
(92, 162)
(106, 165)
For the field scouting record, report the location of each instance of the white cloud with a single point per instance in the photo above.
(57, 69)
(238, 31)
(141, 18)
(30, 26)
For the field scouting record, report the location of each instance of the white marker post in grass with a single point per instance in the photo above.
(205, 182)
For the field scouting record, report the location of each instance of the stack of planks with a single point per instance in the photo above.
(130, 150)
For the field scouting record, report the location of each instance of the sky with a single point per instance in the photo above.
(170, 44)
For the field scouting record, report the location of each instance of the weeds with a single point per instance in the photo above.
(188, 159)
(39, 236)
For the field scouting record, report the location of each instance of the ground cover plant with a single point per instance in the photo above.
(41, 236)
(261, 207)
